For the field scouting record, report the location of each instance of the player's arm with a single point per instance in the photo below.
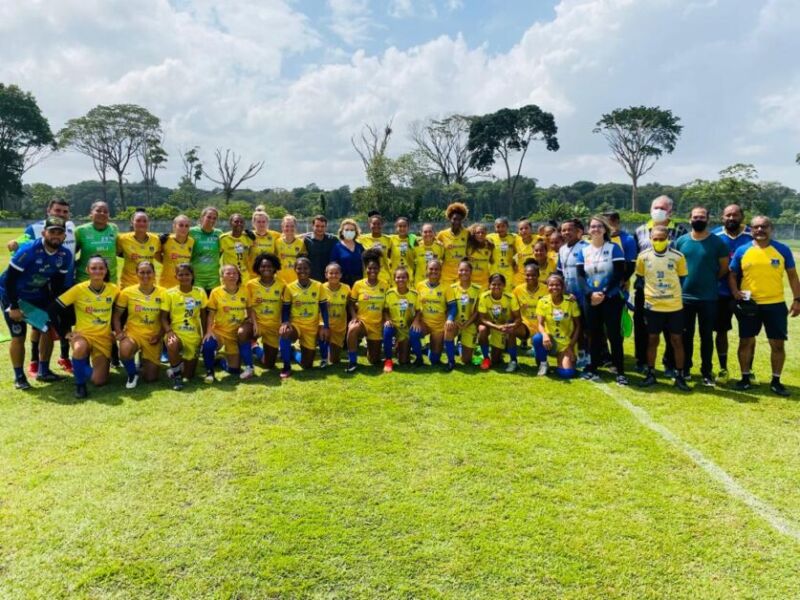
(116, 322)
(546, 339)
(209, 320)
(794, 283)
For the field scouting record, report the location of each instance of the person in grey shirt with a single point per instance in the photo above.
(319, 245)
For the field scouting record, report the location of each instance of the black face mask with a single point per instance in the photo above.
(699, 225)
(732, 225)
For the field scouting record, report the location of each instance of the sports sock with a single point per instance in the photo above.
(130, 367)
(415, 340)
(35, 351)
(285, 347)
(388, 340)
(44, 367)
(80, 367)
(246, 352)
(352, 357)
(450, 350)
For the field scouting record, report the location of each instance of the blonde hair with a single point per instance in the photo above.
(348, 222)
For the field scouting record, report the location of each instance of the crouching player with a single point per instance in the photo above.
(182, 316)
(398, 313)
(227, 310)
(559, 329)
(264, 305)
(498, 313)
(462, 316)
(338, 294)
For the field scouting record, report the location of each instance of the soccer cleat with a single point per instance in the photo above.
(133, 380)
(418, 362)
(49, 377)
(209, 378)
(778, 388)
(33, 368)
(590, 376)
(449, 367)
(177, 383)
(650, 380)
(640, 368)
(22, 384)
(583, 360)
(681, 384)
(323, 364)
(708, 381)
(247, 373)
(486, 364)
(388, 365)
(743, 385)
(622, 380)
(723, 377)
(65, 364)
(286, 373)
(670, 373)
(512, 366)
(542, 370)
(350, 368)
(81, 391)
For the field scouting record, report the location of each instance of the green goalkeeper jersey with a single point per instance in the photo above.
(205, 257)
(89, 242)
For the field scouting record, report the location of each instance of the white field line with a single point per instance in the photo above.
(778, 522)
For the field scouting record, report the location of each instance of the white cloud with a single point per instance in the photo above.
(351, 20)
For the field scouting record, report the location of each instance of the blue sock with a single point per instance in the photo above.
(415, 340)
(246, 352)
(44, 367)
(512, 352)
(258, 352)
(88, 371)
(566, 373)
(130, 367)
(450, 350)
(436, 357)
(485, 350)
(352, 357)
(19, 373)
(233, 370)
(324, 349)
(539, 349)
(80, 366)
(298, 356)
(285, 347)
(388, 339)
(210, 347)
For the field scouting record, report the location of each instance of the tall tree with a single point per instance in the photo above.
(192, 166)
(506, 133)
(112, 136)
(25, 138)
(230, 178)
(442, 143)
(371, 148)
(638, 136)
(151, 158)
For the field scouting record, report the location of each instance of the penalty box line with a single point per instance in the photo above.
(770, 514)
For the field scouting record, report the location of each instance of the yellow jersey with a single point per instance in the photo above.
(133, 251)
(522, 252)
(236, 251)
(174, 253)
(762, 270)
(466, 300)
(93, 309)
(455, 248)
(499, 310)
(401, 307)
(144, 310)
(432, 303)
(288, 252)
(422, 256)
(304, 301)
(185, 310)
(264, 244)
(402, 256)
(265, 302)
(384, 244)
(662, 284)
(337, 305)
(503, 255)
(369, 301)
(230, 309)
(528, 301)
(481, 261)
(559, 319)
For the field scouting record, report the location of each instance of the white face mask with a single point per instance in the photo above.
(349, 234)
(659, 215)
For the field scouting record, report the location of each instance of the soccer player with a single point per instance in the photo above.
(528, 295)
(425, 251)
(503, 249)
(38, 271)
(96, 238)
(176, 249)
(142, 302)
(205, 252)
(572, 234)
(757, 271)
(402, 248)
(137, 246)
(523, 249)
(498, 314)
(264, 306)
(454, 242)
(263, 237)
(367, 298)
(183, 314)
(227, 310)
(559, 329)
(398, 313)
(431, 314)
(548, 263)
(288, 248)
(660, 271)
(554, 242)
(235, 245)
(93, 300)
(479, 253)
(338, 293)
(377, 240)
(462, 316)
(305, 303)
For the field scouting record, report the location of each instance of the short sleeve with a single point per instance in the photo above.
(640, 266)
(514, 302)
(541, 309)
(579, 257)
(286, 296)
(354, 291)
(23, 257)
(122, 299)
(576, 310)
(69, 297)
(616, 253)
(786, 253)
(212, 301)
(681, 267)
(736, 261)
(324, 296)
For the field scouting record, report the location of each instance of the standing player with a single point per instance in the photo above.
(176, 249)
(235, 245)
(523, 250)
(182, 316)
(137, 246)
(263, 237)
(425, 251)
(479, 253)
(205, 252)
(96, 238)
(503, 249)
(288, 248)
(454, 241)
(402, 248)
(377, 240)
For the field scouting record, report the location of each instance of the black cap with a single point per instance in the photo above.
(55, 223)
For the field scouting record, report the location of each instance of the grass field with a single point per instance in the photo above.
(414, 484)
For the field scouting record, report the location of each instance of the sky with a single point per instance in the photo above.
(290, 81)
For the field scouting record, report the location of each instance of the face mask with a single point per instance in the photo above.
(660, 246)
(732, 226)
(699, 225)
(349, 234)
(659, 215)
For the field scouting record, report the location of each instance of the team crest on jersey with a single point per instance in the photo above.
(775, 263)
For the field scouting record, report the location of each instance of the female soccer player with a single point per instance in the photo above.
(402, 248)
(431, 313)
(347, 252)
(288, 247)
(93, 300)
(498, 314)
(142, 331)
(263, 237)
(398, 313)
(559, 328)
(554, 243)
(602, 265)
(462, 316)
(235, 246)
(547, 262)
(425, 251)
(454, 241)
(338, 294)
(96, 238)
(377, 240)
(264, 307)
(183, 314)
(176, 248)
(367, 298)
(227, 310)
(479, 252)
(205, 253)
(305, 303)
(137, 246)
(503, 249)
(528, 295)
(523, 247)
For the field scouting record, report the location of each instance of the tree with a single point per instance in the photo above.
(229, 177)
(371, 148)
(192, 166)
(506, 132)
(737, 184)
(638, 136)
(443, 146)
(25, 138)
(151, 158)
(112, 136)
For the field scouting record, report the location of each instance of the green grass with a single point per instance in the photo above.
(415, 484)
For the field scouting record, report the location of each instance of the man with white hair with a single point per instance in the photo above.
(660, 214)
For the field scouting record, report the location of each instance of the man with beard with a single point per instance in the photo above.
(572, 232)
(735, 234)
